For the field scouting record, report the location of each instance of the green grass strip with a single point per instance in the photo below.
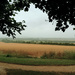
(36, 61)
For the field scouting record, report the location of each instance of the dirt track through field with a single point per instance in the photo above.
(34, 49)
(4, 66)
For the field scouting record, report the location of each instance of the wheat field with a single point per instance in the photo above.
(36, 50)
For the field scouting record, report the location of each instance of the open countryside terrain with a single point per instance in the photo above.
(35, 50)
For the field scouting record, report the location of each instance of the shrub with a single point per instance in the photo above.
(69, 55)
(51, 55)
(59, 55)
(45, 55)
(8, 55)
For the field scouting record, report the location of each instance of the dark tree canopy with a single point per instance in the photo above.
(63, 11)
(8, 25)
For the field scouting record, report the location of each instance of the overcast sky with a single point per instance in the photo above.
(37, 27)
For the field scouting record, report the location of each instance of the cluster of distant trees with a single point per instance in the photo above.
(39, 42)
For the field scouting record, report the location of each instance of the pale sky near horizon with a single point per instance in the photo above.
(37, 27)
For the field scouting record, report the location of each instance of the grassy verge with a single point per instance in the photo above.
(37, 61)
(50, 55)
(59, 55)
(23, 72)
(52, 58)
(65, 58)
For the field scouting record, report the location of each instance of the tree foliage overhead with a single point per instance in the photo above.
(8, 25)
(63, 11)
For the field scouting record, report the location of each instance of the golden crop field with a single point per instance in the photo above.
(33, 49)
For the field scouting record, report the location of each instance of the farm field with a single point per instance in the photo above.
(32, 61)
(35, 50)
